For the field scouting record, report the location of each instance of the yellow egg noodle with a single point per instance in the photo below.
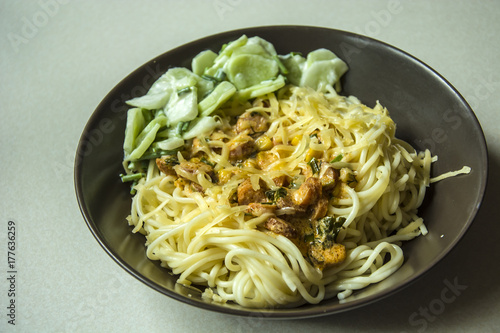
(208, 240)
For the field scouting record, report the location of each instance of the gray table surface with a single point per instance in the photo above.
(60, 58)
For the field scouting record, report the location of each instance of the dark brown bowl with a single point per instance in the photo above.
(428, 111)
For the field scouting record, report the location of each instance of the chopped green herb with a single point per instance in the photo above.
(210, 78)
(295, 183)
(327, 229)
(274, 195)
(155, 153)
(347, 176)
(338, 158)
(337, 226)
(308, 238)
(220, 75)
(184, 126)
(315, 165)
(170, 160)
(181, 127)
(281, 66)
(204, 160)
(138, 165)
(158, 113)
(183, 91)
(133, 191)
(270, 195)
(132, 177)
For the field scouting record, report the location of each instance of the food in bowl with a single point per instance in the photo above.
(254, 178)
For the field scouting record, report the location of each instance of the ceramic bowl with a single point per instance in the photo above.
(428, 111)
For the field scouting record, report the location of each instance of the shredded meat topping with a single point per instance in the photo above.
(293, 207)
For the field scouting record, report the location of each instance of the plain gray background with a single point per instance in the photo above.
(60, 58)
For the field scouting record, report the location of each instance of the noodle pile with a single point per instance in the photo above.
(208, 241)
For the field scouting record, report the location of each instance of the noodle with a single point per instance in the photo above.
(194, 226)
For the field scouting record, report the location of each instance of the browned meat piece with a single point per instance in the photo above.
(328, 176)
(246, 193)
(266, 158)
(194, 167)
(258, 209)
(306, 171)
(347, 176)
(280, 227)
(319, 209)
(241, 147)
(251, 122)
(224, 175)
(287, 205)
(188, 185)
(321, 257)
(282, 181)
(181, 183)
(166, 164)
(308, 193)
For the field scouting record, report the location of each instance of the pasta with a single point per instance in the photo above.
(201, 223)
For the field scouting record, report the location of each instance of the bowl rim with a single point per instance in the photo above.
(279, 313)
